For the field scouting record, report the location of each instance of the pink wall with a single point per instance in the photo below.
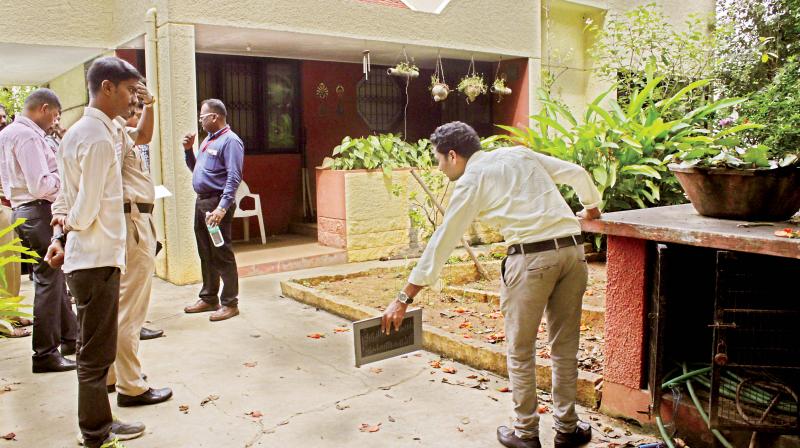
(513, 109)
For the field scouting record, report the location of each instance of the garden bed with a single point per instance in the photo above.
(462, 318)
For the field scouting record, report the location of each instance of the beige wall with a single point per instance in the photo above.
(71, 90)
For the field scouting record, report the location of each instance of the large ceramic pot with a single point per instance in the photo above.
(744, 194)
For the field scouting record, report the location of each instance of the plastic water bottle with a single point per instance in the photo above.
(216, 234)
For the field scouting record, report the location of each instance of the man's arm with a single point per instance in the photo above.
(575, 176)
(234, 162)
(188, 150)
(95, 165)
(144, 130)
(463, 209)
(31, 158)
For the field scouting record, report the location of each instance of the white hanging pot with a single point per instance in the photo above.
(440, 91)
(500, 90)
(402, 73)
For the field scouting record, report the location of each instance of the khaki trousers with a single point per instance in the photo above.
(551, 283)
(13, 270)
(134, 299)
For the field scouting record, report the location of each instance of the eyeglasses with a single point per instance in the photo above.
(203, 116)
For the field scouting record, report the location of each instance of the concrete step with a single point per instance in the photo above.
(304, 228)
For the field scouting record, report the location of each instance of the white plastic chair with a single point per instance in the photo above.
(244, 192)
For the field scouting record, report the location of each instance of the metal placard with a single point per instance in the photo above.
(371, 345)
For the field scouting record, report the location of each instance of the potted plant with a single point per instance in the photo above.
(472, 85)
(404, 69)
(439, 89)
(725, 177)
(499, 88)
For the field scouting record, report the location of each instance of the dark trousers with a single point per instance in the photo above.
(216, 262)
(96, 293)
(54, 322)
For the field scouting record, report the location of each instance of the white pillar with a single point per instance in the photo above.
(177, 116)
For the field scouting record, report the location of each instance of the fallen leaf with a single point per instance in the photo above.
(10, 436)
(285, 422)
(589, 292)
(459, 310)
(450, 370)
(483, 379)
(341, 330)
(376, 370)
(543, 409)
(315, 335)
(436, 364)
(255, 414)
(251, 364)
(543, 353)
(209, 399)
(465, 421)
(504, 389)
(342, 407)
(366, 427)
(494, 338)
(465, 324)
(460, 429)
(466, 336)
(472, 377)
(391, 419)
(184, 408)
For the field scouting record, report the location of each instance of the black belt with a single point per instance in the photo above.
(35, 203)
(143, 208)
(541, 246)
(209, 195)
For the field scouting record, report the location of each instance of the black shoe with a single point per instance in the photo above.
(111, 388)
(68, 348)
(580, 437)
(146, 333)
(55, 363)
(506, 436)
(152, 396)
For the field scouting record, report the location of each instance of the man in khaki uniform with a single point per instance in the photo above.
(138, 194)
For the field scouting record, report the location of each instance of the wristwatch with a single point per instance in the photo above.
(61, 237)
(403, 298)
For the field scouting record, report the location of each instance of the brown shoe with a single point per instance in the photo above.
(226, 312)
(200, 307)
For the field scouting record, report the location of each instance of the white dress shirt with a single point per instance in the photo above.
(91, 194)
(515, 190)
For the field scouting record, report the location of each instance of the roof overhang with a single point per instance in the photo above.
(30, 64)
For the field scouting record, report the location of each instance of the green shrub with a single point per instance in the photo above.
(10, 305)
(385, 151)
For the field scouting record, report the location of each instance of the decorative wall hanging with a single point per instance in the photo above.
(499, 84)
(439, 88)
(322, 91)
(339, 96)
(472, 83)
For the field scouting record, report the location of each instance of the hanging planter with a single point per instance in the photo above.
(499, 88)
(472, 84)
(439, 89)
(404, 70)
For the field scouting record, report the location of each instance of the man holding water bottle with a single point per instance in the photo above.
(216, 174)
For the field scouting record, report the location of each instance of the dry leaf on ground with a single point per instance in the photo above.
(10, 436)
(436, 364)
(255, 414)
(184, 408)
(543, 409)
(315, 335)
(366, 427)
(504, 389)
(209, 399)
(251, 364)
(376, 370)
(341, 330)
(450, 370)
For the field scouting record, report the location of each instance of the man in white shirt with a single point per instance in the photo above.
(91, 195)
(545, 271)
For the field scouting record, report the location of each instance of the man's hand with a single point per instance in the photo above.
(144, 95)
(214, 218)
(188, 140)
(589, 213)
(393, 316)
(55, 255)
(60, 221)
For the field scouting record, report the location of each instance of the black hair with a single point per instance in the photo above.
(112, 69)
(216, 106)
(40, 97)
(458, 137)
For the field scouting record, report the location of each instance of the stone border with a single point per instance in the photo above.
(477, 354)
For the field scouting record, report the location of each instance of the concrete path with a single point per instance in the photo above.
(307, 390)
